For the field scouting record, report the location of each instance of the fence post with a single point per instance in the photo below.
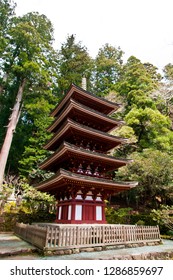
(47, 237)
(59, 237)
(77, 235)
(124, 234)
(158, 232)
(142, 229)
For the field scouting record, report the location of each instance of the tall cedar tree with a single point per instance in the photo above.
(74, 63)
(108, 69)
(26, 63)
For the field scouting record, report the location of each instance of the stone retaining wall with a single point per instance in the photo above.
(168, 255)
(103, 248)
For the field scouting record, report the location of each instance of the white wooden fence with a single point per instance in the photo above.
(54, 236)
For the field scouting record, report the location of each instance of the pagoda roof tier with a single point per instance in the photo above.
(86, 116)
(86, 98)
(71, 130)
(64, 179)
(70, 153)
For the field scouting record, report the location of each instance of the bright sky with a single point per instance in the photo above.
(143, 28)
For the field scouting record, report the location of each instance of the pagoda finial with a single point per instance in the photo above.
(84, 83)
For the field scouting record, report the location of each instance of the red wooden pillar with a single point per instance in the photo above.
(83, 211)
(103, 214)
(73, 205)
(57, 212)
(94, 211)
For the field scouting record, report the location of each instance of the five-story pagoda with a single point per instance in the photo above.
(82, 168)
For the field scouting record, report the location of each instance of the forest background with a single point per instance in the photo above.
(34, 77)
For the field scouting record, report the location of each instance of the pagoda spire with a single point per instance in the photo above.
(84, 83)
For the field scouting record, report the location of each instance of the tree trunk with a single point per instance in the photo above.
(3, 82)
(13, 120)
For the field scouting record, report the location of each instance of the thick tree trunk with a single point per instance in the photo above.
(13, 120)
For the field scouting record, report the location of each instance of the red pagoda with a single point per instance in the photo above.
(83, 169)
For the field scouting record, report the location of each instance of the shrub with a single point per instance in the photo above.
(145, 218)
(10, 219)
(119, 216)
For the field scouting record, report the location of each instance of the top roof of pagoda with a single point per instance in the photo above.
(86, 98)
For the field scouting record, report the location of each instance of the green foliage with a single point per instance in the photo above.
(164, 217)
(34, 207)
(128, 216)
(142, 219)
(135, 77)
(8, 222)
(6, 191)
(30, 206)
(153, 72)
(34, 152)
(135, 85)
(127, 133)
(153, 170)
(7, 10)
(108, 67)
(118, 216)
(74, 63)
(28, 53)
(31, 195)
(140, 223)
(137, 98)
(152, 166)
(168, 72)
(42, 216)
(170, 233)
(10, 219)
(151, 128)
(27, 198)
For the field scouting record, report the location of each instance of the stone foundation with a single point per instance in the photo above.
(111, 247)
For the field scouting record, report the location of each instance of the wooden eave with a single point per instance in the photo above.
(86, 98)
(105, 122)
(64, 179)
(71, 128)
(68, 151)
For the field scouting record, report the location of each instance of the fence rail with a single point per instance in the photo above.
(32, 233)
(54, 236)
